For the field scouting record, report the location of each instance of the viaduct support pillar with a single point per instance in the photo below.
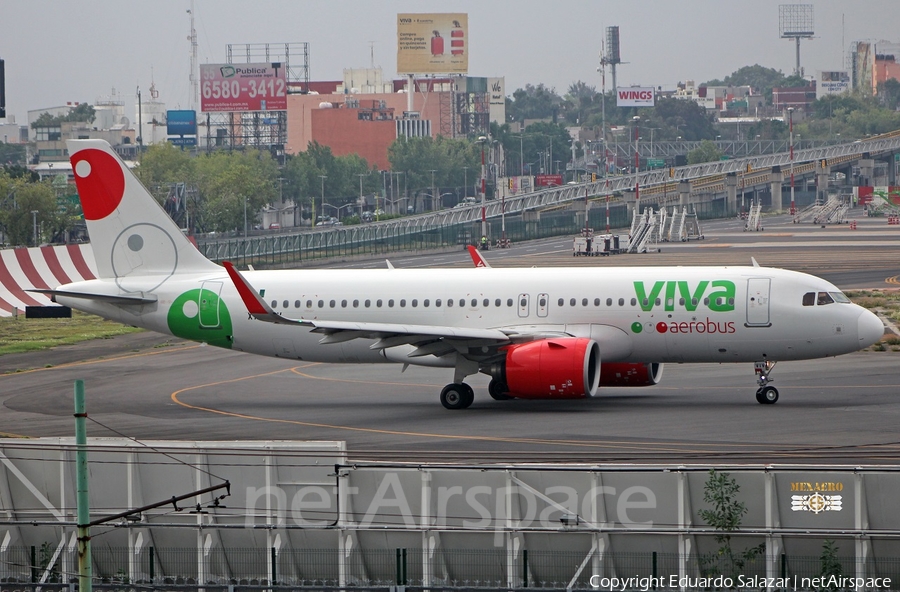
(776, 180)
(822, 173)
(684, 193)
(866, 172)
(730, 194)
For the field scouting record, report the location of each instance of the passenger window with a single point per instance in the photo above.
(486, 303)
(681, 301)
(309, 304)
(462, 302)
(414, 303)
(824, 298)
(584, 302)
(560, 302)
(571, 302)
(542, 302)
(403, 302)
(343, 304)
(694, 302)
(426, 303)
(437, 302)
(321, 304)
(296, 304)
(391, 303)
(634, 302)
(286, 304)
(474, 303)
(509, 302)
(670, 302)
(706, 302)
(646, 302)
(523, 302)
(497, 303)
(658, 301)
(378, 303)
(274, 304)
(356, 304)
(609, 302)
(596, 302)
(621, 302)
(731, 302)
(368, 303)
(331, 303)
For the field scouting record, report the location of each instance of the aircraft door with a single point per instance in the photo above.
(758, 302)
(543, 304)
(523, 305)
(208, 303)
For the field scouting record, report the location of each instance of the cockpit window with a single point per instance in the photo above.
(824, 298)
(839, 297)
(809, 299)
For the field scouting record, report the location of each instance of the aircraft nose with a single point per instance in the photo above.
(871, 329)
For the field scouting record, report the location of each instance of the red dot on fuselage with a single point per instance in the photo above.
(662, 327)
(100, 181)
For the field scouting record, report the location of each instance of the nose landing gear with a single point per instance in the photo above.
(765, 394)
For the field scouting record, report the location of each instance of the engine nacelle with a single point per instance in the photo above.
(622, 374)
(564, 368)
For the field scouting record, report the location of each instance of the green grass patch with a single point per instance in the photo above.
(18, 335)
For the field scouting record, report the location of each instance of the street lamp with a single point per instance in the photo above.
(433, 204)
(465, 182)
(791, 130)
(34, 214)
(482, 140)
(323, 177)
(637, 162)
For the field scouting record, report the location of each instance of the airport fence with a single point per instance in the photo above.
(47, 567)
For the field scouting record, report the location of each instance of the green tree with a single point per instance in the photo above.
(726, 515)
(760, 78)
(533, 102)
(706, 152)
(19, 198)
(163, 164)
(225, 179)
(12, 155)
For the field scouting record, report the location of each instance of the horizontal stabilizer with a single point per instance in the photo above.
(111, 298)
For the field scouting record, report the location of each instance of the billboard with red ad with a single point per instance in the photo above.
(635, 96)
(243, 87)
(547, 180)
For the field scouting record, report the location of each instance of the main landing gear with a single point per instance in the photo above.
(457, 395)
(765, 394)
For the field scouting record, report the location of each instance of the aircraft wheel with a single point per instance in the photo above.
(767, 395)
(457, 396)
(497, 390)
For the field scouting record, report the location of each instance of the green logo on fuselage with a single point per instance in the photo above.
(680, 294)
(200, 315)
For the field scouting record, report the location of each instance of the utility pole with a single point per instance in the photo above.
(34, 214)
(791, 125)
(85, 576)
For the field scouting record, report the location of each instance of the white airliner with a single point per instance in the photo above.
(552, 333)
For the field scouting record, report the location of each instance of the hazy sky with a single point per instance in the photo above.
(59, 50)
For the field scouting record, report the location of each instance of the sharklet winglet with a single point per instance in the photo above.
(256, 306)
(477, 258)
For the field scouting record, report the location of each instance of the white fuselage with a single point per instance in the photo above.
(636, 314)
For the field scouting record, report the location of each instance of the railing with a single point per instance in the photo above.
(25, 568)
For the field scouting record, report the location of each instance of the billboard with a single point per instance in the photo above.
(832, 83)
(181, 123)
(433, 43)
(243, 87)
(635, 96)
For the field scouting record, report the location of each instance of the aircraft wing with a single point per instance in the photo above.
(429, 339)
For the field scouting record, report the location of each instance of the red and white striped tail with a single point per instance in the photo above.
(41, 268)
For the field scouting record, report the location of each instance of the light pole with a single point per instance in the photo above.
(361, 175)
(34, 214)
(245, 216)
(482, 140)
(637, 162)
(465, 182)
(433, 202)
(791, 131)
(323, 177)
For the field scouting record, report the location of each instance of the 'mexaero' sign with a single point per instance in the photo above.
(635, 96)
